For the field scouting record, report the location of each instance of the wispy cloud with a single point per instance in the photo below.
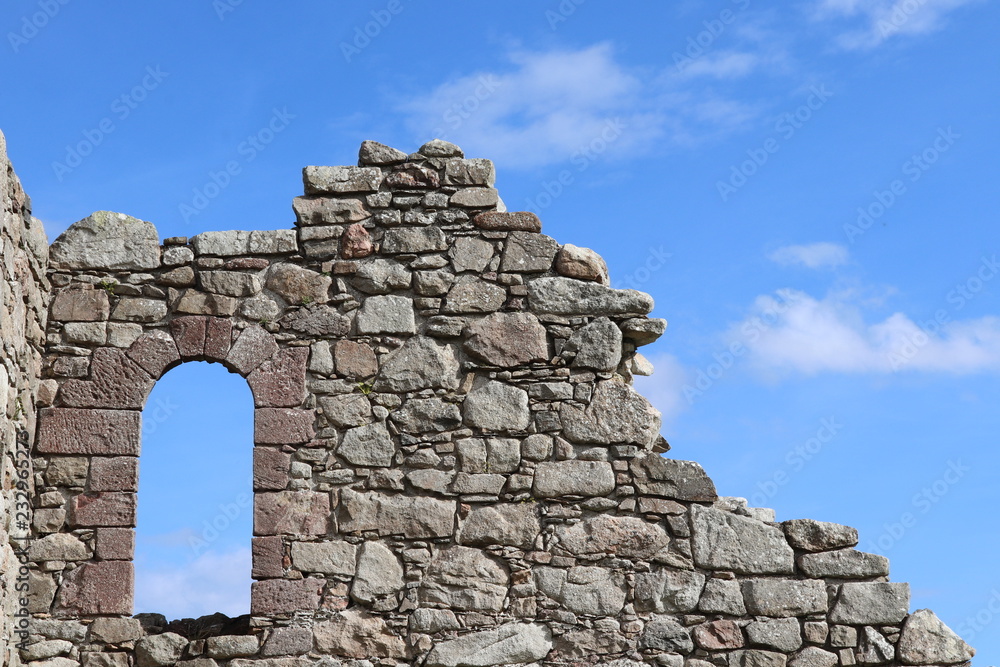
(875, 21)
(813, 256)
(831, 335)
(665, 388)
(213, 582)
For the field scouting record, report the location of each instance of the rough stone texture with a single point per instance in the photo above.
(451, 465)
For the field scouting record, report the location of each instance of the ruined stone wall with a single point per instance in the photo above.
(451, 466)
(23, 257)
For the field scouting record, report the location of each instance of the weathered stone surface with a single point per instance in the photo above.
(80, 305)
(283, 426)
(280, 382)
(337, 180)
(623, 536)
(356, 634)
(231, 646)
(346, 410)
(317, 321)
(669, 478)
(251, 349)
(139, 310)
(583, 590)
(372, 152)
(381, 276)
(497, 407)
(475, 198)
(511, 525)
(328, 210)
(507, 339)
(85, 333)
(813, 656)
(369, 445)
(643, 330)
(465, 579)
(160, 650)
(582, 264)
(667, 590)
(115, 382)
(470, 172)
(106, 240)
(230, 283)
(472, 295)
(567, 296)
(155, 352)
(270, 469)
(780, 634)
(722, 596)
(718, 635)
(413, 176)
(470, 254)
(421, 363)
(871, 604)
(519, 221)
(665, 633)
(927, 641)
(512, 643)
(334, 557)
(287, 641)
(617, 414)
(757, 658)
(194, 302)
(724, 541)
(784, 598)
(58, 546)
(93, 432)
(412, 517)
(356, 242)
(414, 239)
(99, 588)
(291, 513)
(844, 564)
(284, 596)
(573, 478)
(118, 473)
(527, 252)
(379, 574)
(298, 285)
(115, 630)
(386, 315)
(426, 415)
(103, 509)
(433, 283)
(597, 345)
(810, 535)
(354, 360)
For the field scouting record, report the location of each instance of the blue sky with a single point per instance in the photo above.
(808, 189)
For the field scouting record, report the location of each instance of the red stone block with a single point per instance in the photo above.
(251, 349)
(282, 596)
(270, 469)
(356, 242)
(283, 426)
(115, 382)
(291, 513)
(155, 352)
(354, 360)
(95, 432)
(280, 382)
(718, 635)
(189, 335)
(517, 221)
(218, 338)
(103, 509)
(269, 560)
(408, 176)
(119, 473)
(115, 544)
(97, 588)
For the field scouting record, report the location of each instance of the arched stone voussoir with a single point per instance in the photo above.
(202, 338)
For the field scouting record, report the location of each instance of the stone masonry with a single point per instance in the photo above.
(451, 466)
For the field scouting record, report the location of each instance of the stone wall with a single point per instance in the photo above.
(23, 255)
(451, 466)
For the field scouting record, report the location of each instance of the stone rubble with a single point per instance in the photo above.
(451, 466)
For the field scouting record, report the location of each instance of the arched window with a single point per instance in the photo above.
(195, 504)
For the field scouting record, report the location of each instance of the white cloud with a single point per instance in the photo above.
(812, 256)
(883, 19)
(665, 388)
(802, 334)
(213, 582)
